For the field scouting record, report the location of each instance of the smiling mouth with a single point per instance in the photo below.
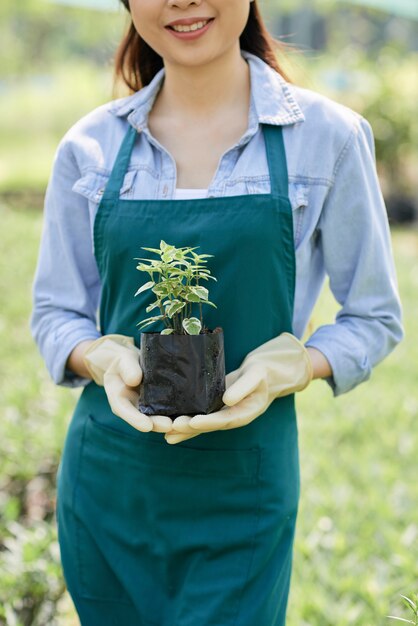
(190, 28)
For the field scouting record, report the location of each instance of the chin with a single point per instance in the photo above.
(194, 59)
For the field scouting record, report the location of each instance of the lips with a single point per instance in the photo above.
(187, 21)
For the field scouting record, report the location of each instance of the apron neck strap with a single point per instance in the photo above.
(120, 167)
(276, 157)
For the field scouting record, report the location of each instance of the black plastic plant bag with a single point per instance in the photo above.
(182, 374)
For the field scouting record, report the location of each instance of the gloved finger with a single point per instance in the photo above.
(124, 409)
(161, 423)
(231, 377)
(182, 424)
(235, 416)
(178, 438)
(243, 386)
(123, 401)
(130, 370)
(213, 421)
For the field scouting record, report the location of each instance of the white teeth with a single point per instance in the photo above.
(182, 28)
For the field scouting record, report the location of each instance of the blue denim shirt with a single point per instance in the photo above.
(340, 223)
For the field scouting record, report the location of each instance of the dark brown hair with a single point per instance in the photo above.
(136, 63)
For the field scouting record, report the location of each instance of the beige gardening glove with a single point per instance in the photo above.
(277, 368)
(113, 363)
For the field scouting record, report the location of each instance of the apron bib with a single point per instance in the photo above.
(198, 533)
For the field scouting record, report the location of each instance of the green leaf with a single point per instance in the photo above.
(161, 289)
(174, 308)
(168, 256)
(148, 268)
(150, 320)
(192, 325)
(167, 331)
(192, 297)
(156, 250)
(144, 324)
(163, 245)
(400, 619)
(206, 277)
(204, 274)
(210, 303)
(146, 286)
(200, 291)
(174, 268)
(409, 603)
(150, 261)
(152, 306)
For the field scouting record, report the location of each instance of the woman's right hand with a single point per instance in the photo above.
(113, 362)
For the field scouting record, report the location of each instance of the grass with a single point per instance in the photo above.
(357, 529)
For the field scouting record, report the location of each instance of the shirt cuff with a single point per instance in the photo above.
(346, 355)
(60, 348)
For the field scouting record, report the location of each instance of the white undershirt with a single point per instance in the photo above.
(187, 194)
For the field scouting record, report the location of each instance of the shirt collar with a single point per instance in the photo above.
(272, 98)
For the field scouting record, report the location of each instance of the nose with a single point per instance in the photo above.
(183, 4)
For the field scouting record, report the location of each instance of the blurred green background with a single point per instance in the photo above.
(357, 531)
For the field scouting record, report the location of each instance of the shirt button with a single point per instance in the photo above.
(165, 190)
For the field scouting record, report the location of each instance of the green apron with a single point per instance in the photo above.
(199, 533)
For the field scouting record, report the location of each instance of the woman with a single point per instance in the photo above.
(214, 149)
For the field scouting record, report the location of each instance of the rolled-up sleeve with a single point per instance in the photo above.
(355, 242)
(66, 286)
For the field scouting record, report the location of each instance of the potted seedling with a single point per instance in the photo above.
(183, 365)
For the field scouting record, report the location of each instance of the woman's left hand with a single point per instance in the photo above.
(277, 368)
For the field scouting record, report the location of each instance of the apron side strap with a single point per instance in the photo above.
(276, 157)
(120, 166)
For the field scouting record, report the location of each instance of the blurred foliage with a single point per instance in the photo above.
(36, 111)
(55, 66)
(31, 582)
(37, 35)
(357, 526)
(412, 605)
(384, 90)
(31, 433)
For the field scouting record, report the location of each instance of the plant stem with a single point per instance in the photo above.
(200, 303)
(165, 321)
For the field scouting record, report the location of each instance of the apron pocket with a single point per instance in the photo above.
(135, 448)
(175, 525)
